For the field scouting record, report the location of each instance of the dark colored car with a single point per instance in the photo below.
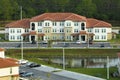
(34, 65)
(102, 45)
(26, 74)
(66, 44)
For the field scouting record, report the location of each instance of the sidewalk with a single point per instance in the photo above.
(68, 74)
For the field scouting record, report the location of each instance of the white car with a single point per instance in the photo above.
(22, 61)
(78, 42)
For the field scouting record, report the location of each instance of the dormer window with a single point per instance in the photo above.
(33, 26)
(82, 26)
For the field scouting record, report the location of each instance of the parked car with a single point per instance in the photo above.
(115, 74)
(22, 61)
(102, 45)
(66, 44)
(34, 65)
(78, 42)
(26, 74)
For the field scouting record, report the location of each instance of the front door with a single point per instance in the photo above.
(33, 38)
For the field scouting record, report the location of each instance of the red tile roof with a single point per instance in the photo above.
(1, 49)
(33, 33)
(25, 34)
(24, 23)
(97, 23)
(90, 22)
(41, 34)
(4, 63)
(82, 32)
(58, 17)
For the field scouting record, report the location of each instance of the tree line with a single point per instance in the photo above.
(100, 9)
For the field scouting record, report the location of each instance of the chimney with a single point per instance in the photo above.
(2, 53)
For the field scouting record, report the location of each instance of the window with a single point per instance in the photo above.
(61, 23)
(82, 26)
(61, 30)
(75, 30)
(54, 37)
(12, 31)
(18, 37)
(68, 23)
(54, 30)
(75, 23)
(68, 37)
(40, 30)
(10, 70)
(39, 23)
(12, 37)
(103, 37)
(89, 30)
(33, 26)
(96, 30)
(19, 31)
(47, 24)
(103, 30)
(54, 23)
(26, 30)
(96, 37)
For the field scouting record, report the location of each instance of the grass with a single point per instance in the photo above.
(98, 72)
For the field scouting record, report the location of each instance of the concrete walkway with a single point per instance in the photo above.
(68, 74)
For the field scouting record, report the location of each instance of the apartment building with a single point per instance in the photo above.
(59, 26)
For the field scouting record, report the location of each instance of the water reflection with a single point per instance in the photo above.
(84, 62)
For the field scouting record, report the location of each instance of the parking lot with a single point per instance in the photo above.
(49, 73)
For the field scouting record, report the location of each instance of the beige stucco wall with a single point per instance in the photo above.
(109, 36)
(68, 33)
(7, 71)
(9, 78)
(57, 36)
(47, 31)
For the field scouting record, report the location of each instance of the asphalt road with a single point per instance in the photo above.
(55, 45)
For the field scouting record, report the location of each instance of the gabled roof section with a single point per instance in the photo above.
(58, 17)
(4, 63)
(97, 23)
(24, 23)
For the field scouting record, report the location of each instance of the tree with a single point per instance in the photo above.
(5, 9)
(86, 8)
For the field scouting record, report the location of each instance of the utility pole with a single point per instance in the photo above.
(21, 36)
(63, 59)
(21, 48)
(88, 40)
(21, 12)
(107, 67)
